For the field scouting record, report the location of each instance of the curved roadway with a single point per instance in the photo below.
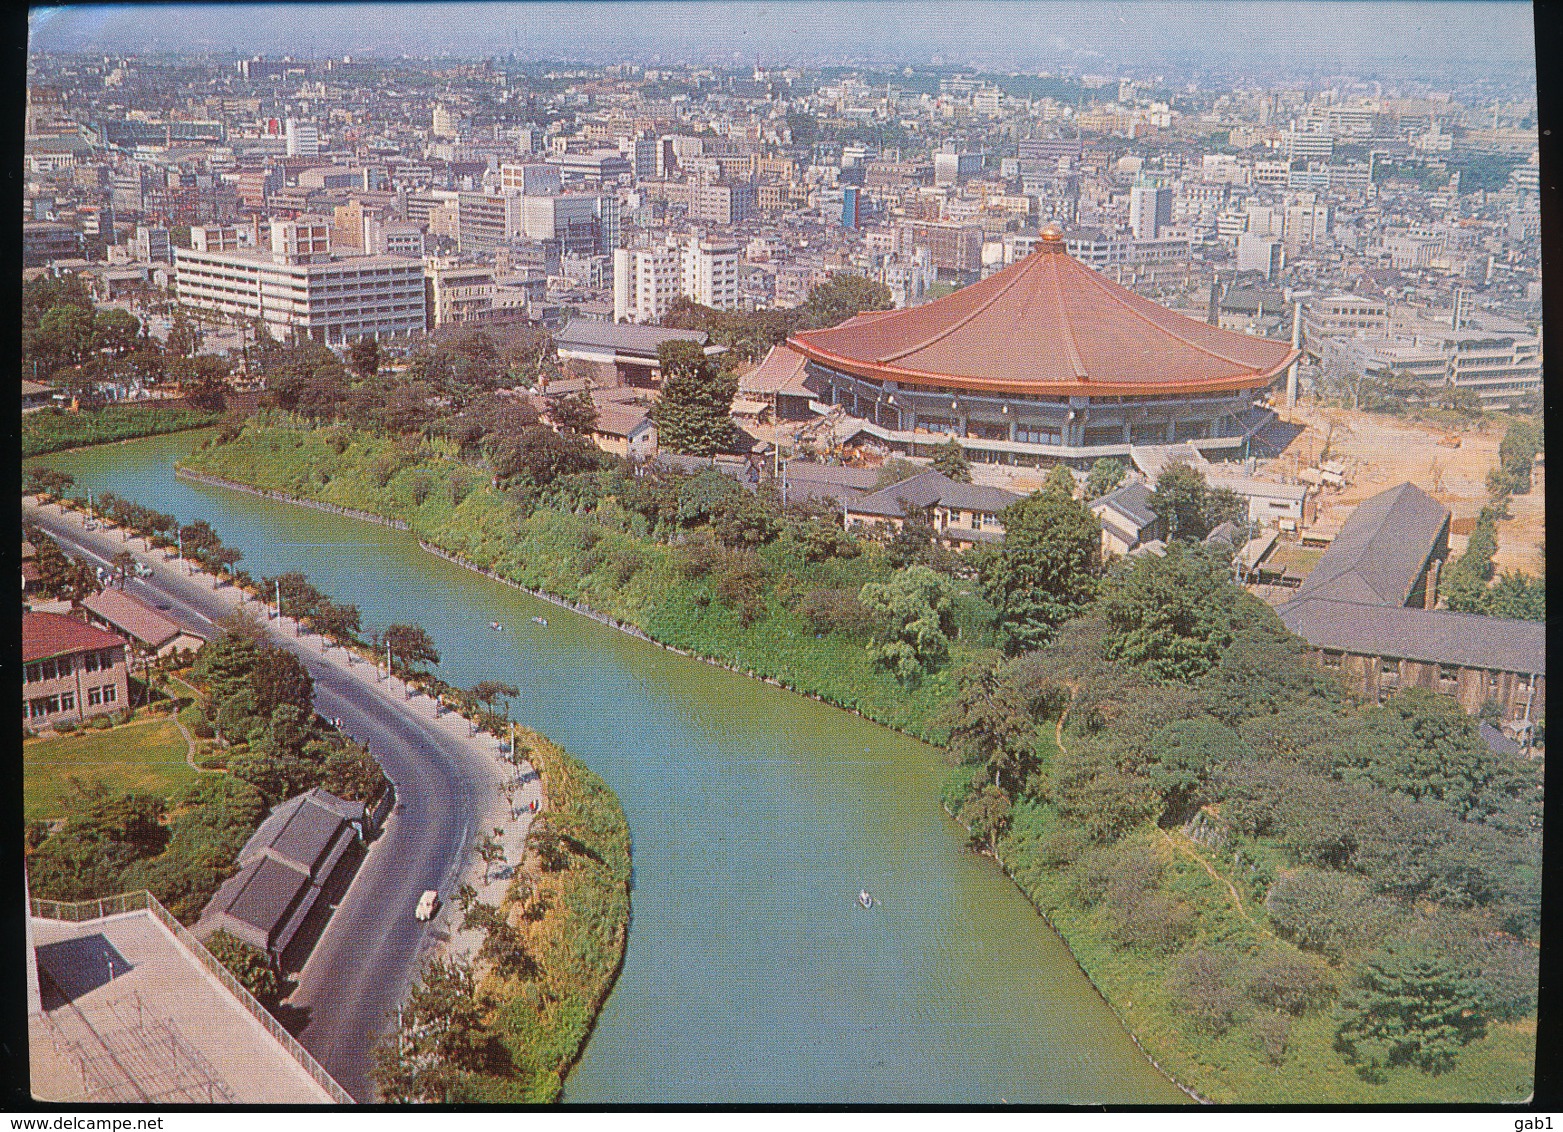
(368, 954)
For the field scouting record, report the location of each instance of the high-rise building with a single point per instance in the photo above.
(1264, 254)
(723, 204)
(852, 207)
(951, 168)
(446, 124)
(456, 292)
(303, 140)
(1150, 210)
(150, 245)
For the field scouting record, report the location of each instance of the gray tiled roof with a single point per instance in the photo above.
(1430, 636)
(862, 479)
(300, 831)
(1132, 501)
(1381, 548)
(624, 337)
(929, 488)
(261, 896)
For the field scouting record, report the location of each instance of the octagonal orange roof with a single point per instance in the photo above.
(1047, 324)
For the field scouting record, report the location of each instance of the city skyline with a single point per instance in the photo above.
(1433, 40)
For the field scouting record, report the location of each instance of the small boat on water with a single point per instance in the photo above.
(495, 625)
(865, 899)
(543, 621)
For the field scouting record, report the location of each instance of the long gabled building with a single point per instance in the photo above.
(1367, 610)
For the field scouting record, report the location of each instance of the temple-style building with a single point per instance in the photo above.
(1044, 362)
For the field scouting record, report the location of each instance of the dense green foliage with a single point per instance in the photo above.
(1410, 1006)
(693, 413)
(1517, 453)
(1469, 586)
(1105, 475)
(1046, 567)
(695, 561)
(912, 609)
(1190, 508)
(51, 430)
(1338, 828)
(950, 460)
(249, 966)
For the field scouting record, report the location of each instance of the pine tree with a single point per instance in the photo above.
(1411, 1006)
(951, 461)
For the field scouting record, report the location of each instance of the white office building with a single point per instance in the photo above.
(1150, 210)
(1264, 254)
(299, 288)
(303, 140)
(648, 281)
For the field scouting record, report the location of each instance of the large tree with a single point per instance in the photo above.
(364, 356)
(913, 611)
(951, 461)
(693, 414)
(1411, 1006)
(1172, 617)
(841, 297)
(1045, 569)
(1106, 474)
(410, 645)
(1189, 507)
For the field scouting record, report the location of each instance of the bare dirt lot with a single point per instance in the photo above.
(1382, 451)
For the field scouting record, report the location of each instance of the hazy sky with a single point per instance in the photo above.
(1413, 39)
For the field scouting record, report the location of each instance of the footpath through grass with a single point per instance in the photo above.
(572, 911)
(51, 430)
(146, 755)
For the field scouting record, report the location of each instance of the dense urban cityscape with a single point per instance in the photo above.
(1163, 444)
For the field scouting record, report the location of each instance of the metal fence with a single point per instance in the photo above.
(84, 910)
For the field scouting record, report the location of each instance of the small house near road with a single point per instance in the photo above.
(146, 629)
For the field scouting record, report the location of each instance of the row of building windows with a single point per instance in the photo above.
(1390, 667)
(56, 667)
(40, 706)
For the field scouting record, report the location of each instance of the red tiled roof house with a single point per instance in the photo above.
(70, 670)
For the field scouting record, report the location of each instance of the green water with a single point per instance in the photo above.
(752, 975)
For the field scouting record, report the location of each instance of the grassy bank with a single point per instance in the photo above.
(1232, 1067)
(603, 559)
(52, 430)
(572, 912)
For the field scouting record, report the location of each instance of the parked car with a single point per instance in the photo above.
(428, 904)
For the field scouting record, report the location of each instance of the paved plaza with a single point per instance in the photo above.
(131, 1016)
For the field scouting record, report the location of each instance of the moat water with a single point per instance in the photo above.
(752, 974)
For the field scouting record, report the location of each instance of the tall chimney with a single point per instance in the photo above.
(1291, 370)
